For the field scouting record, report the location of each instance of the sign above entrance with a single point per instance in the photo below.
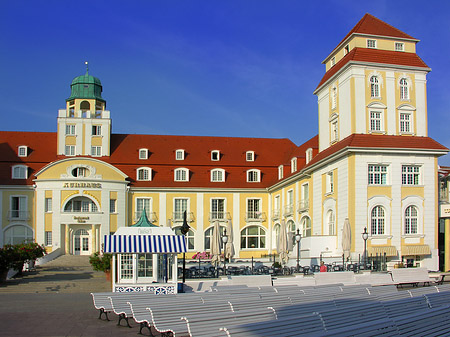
(82, 185)
(81, 219)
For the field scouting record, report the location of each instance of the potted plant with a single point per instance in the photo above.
(8, 257)
(101, 262)
(27, 252)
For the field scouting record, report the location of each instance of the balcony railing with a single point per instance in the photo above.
(288, 210)
(219, 215)
(303, 205)
(18, 215)
(178, 216)
(152, 217)
(255, 216)
(275, 214)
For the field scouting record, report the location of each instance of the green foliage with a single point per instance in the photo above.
(14, 256)
(100, 262)
(277, 265)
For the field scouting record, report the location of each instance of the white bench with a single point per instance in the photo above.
(343, 277)
(412, 276)
(102, 303)
(374, 279)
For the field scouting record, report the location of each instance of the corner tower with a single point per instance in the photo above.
(84, 127)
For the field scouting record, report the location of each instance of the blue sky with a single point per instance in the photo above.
(214, 68)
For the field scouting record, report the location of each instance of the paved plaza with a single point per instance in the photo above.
(55, 300)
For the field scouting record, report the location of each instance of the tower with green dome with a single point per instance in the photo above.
(84, 127)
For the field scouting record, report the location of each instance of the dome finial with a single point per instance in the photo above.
(87, 66)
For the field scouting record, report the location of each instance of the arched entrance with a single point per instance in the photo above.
(81, 242)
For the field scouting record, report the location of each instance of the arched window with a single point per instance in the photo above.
(217, 175)
(377, 220)
(19, 172)
(276, 233)
(306, 226)
(181, 174)
(81, 204)
(404, 89)
(331, 223)
(144, 173)
(333, 97)
(253, 175)
(253, 237)
(208, 236)
(290, 226)
(85, 105)
(411, 220)
(189, 237)
(17, 234)
(374, 87)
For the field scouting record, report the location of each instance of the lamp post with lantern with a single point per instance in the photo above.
(298, 237)
(224, 240)
(365, 236)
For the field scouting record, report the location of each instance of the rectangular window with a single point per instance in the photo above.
(329, 183)
(19, 172)
(181, 175)
(179, 154)
(405, 123)
(70, 150)
(346, 50)
(48, 205)
(215, 155)
(410, 175)
(375, 121)
(399, 46)
(333, 61)
(96, 151)
(22, 151)
(18, 208)
(253, 209)
(371, 43)
(70, 129)
(377, 175)
(96, 130)
(217, 209)
(143, 154)
(280, 172)
(141, 204)
(250, 156)
(112, 205)
(48, 238)
(180, 207)
(253, 176)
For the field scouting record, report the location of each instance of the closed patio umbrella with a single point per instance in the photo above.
(346, 238)
(229, 249)
(215, 244)
(282, 245)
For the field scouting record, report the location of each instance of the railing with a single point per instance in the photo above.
(255, 216)
(178, 216)
(303, 205)
(152, 217)
(288, 210)
(18, 215)
(219, 215)
(275, 214)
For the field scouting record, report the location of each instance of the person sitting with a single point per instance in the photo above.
(323, 267)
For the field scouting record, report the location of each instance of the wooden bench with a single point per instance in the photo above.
(413, 276)
(343, 277)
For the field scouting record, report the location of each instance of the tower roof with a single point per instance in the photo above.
(86, 86)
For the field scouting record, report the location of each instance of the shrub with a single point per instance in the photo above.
(100, 262)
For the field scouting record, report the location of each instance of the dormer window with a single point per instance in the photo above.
(250, 156)
(280, 172)
(144, 173)
(309, 154)
(19, 172)
(371, 43)
(143, 154)
(22, 151)
(253, 176)
(293, 165)
(81, 171)
(218, 175)
(333, 61)
(346, 50)
(179, 154)
(399, 46)
(215, 155)
(181, 174)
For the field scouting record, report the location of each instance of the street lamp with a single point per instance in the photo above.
(184, 230)
(224, 240)
(365, 236)
(298, 237)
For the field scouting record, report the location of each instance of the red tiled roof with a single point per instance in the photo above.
(370, 25)
(375, 56)
(381, 142)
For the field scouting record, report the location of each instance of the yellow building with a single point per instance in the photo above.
(372, 164)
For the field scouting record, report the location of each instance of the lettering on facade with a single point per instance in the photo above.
(81, 219)
(145, 231)
(82, 185)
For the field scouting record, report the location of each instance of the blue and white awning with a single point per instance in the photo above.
(144, 244)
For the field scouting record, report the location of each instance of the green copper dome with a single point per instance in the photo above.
(86, 86)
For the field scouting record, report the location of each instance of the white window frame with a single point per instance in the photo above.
(253, 176)
(333, 97)
(144, 174)
(19, 172)
(245, 237)
(333, 61)
(140, 204)
(374, 87)
(181, 174)
(217, 175)
(280, 172)
(216, 212)
(22, 151)
(293, 165)
(346, 49)
(399, 46)
(329, 184)
(178, 210)
(255, 208)
(404, 89)
(376, 120)
(113, 206)
(69, 150)
(70, 129)
(411, 220)
(48, 205)
(250, 156)
(306, 230)
(371, 43)
(378, 174)
(143, 154)
(377, 220)
(96, 151)
(309, 155)
(48, 238)
(215, 155)
(331, 222)
(96, 130)
(22, 211)
(411, 175)
(179, 154)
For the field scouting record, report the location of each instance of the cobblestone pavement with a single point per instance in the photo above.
(55, 300)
